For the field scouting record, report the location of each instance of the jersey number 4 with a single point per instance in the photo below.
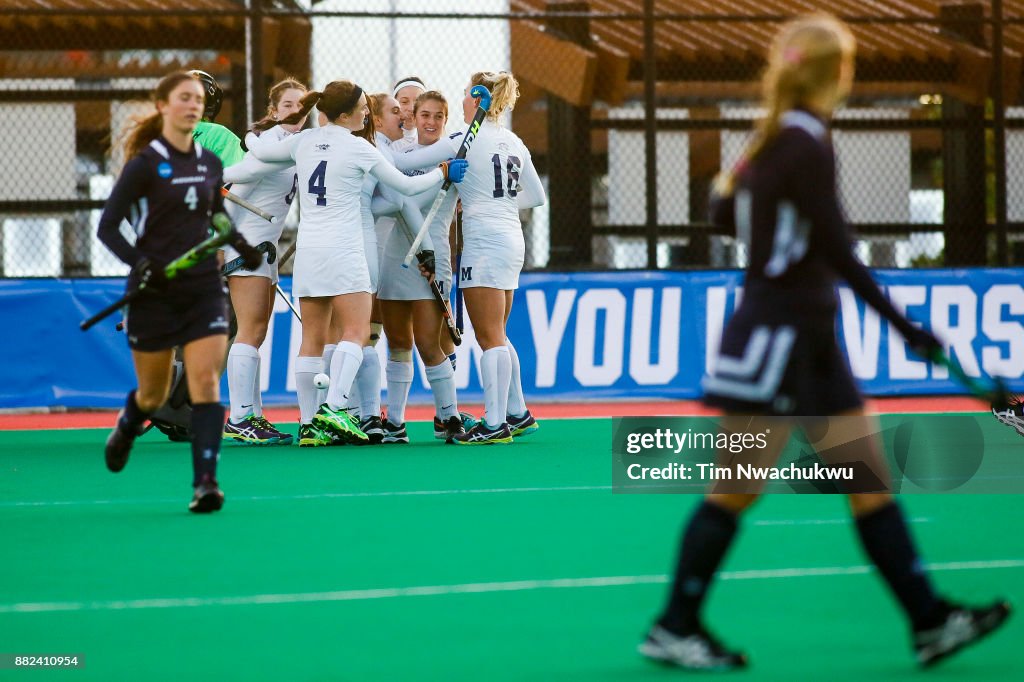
(317, 183)
(192, 198)
(512, 167)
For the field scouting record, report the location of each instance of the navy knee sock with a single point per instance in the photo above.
(704, 544)
(132, 418)
(887, 541)
(207, 431)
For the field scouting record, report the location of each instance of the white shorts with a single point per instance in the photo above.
(323, 271)
(492, 260)
(255, 235)
(407, 284)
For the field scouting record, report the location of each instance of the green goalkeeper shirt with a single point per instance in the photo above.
(219, 140)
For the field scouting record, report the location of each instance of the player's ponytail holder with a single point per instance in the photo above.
(793, 56)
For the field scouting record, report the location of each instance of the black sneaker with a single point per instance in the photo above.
(481, 434)
(449, 428)
(282, 437)
(374, 430)
(961, 627)
(698, 651)
(523, 425)
(1012, 415)
(119, 446)
(394, 433)
(208, 496)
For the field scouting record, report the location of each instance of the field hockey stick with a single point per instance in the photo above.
(458, 267)
(224, 233)
(234, 198)
(467, 141)
(446, 312)
(288, 302)
(287, 254)
(992, 390)
(238, 263)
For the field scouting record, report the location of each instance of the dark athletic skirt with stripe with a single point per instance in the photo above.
(781, 367)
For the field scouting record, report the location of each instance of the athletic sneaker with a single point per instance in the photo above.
(523, 425)
(311, 436)
(340, 422)
(374, 430)
(394, 433)
(698, 651)
(468, 420)
(481, 434)
(962, 626)
(252, 431)
(449, 428)
(1012, 415)
(207, 497)
(119, 446)
(282, 437)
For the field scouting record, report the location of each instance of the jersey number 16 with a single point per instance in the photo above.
(512, 168)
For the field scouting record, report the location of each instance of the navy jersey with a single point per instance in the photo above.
(168, 197)
(785, 208)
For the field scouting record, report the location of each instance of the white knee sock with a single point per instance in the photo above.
(344, 365)
(399, 376)
(354, 404)
(328, 355)
(496, 372)
(257, 393)
(368, 380)
(242, 364)
(442, 385)
(516, 399)
(305, 369)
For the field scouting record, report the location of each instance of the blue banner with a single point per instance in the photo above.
(582, 336)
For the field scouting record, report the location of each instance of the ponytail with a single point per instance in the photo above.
(308, 101)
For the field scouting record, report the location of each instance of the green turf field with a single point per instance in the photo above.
(535, 570)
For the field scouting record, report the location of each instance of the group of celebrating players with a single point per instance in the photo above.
(364, 175)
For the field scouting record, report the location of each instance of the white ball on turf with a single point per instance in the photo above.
(321, 380)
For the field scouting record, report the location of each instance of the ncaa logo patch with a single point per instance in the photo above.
(164, 170)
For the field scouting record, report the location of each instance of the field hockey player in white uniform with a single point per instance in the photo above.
(332, 278)
(501, 180)
(411, 315)
(406, 91)
(271, 188)
(364, 398)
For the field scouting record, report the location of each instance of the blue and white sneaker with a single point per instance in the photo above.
(523, 425)
(481, 434)
(254, 430)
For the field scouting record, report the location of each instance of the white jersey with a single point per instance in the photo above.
(500, 180)
(331, 164)
(270, 187)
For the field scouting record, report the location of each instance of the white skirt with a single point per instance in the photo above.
(325, 271)
(492, 260)
(407, 284)
(255, 235)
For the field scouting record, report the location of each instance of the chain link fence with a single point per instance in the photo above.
(629, 107)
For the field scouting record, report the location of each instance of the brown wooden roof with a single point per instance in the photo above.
(64, 25)
(721, 53)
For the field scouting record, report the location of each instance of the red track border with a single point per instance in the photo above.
(105, 419)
